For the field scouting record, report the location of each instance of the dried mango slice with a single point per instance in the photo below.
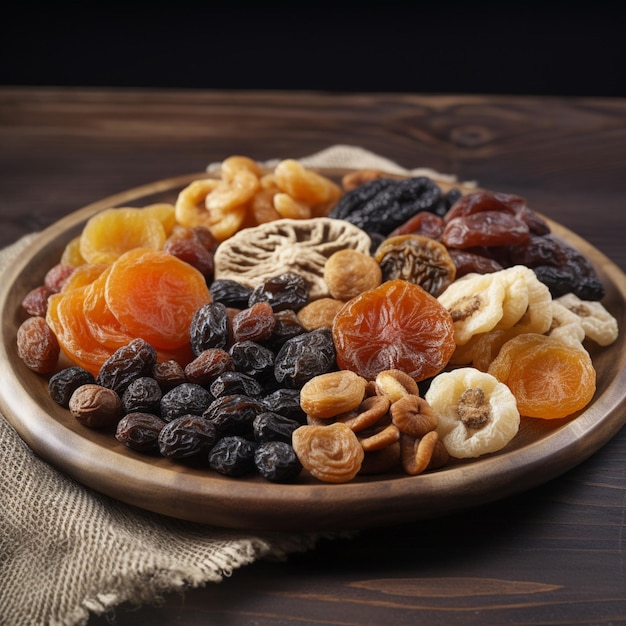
(112, 232)
(477, 413)
(549, 378)
(599, 325)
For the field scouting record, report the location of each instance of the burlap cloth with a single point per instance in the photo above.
(67, 551)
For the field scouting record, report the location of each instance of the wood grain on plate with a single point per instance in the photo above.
(542, 450)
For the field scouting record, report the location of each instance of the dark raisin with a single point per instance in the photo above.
(286, 402)
(393, 204)
(467, 262)
(208, 365)
(286, 291)
(277, 462)
(230, 293)
(233, 383)
(286, 327)
(255, 323)
(169, 374)
(253, 359)
(233, 456)
(62, 385)
(186, 436)
(563, 280)
(486, 228)
(304, 357)
(96, 406)
(269, 426)
(191, 251)
(209, 328)
(184, 399)
(234, 415)
(143, 395)
(140, 431)
(131, 361)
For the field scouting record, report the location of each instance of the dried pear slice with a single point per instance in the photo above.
(256, 254)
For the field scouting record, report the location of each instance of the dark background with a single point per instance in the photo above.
(547, 49)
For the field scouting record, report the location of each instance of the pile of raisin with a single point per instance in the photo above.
(235, 405)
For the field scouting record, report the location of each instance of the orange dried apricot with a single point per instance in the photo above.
(549, 378)
(154, 295)
(397, 325)
(66, 319)
(112, 232)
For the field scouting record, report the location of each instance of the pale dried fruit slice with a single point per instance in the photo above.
(256, 254)
(566, 325)
(418, 259)
(330, 453)
(477, 413)
(475, 303)
(598, 324)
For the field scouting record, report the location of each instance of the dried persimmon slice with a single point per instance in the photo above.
(397, 325)
(154, 295)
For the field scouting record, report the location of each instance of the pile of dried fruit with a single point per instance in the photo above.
(277, 321)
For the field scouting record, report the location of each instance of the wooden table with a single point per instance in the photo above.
(556, 554)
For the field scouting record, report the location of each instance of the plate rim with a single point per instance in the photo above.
(234, 503)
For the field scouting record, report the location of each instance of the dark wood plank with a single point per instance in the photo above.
(552, 555)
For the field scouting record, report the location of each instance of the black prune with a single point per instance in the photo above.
(234, 415)
(143, 395)
(230, 293)
(209, 328)
(232, 383)
(186, 436)
(269, 426)
(355, 198)
(277, 462)
(140, 431)
(63, 384)
(233, 456)
(184, 399)
(392, 205)
(253, 359)
(286, 291)
(131, 361)
(304, 357)
(563, 280)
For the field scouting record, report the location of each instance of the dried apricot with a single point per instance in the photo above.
(110, 233)
(397, 325)
(154, 295)
(549, 378)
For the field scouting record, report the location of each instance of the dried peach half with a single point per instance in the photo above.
(397, 325)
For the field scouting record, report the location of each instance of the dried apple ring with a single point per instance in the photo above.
(477, 414)
(549, 378)
(332, 453)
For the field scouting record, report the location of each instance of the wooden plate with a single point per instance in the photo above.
(541, 451)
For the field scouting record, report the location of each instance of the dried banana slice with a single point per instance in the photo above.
(599, 325)
(475, 304)
(477, 413)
